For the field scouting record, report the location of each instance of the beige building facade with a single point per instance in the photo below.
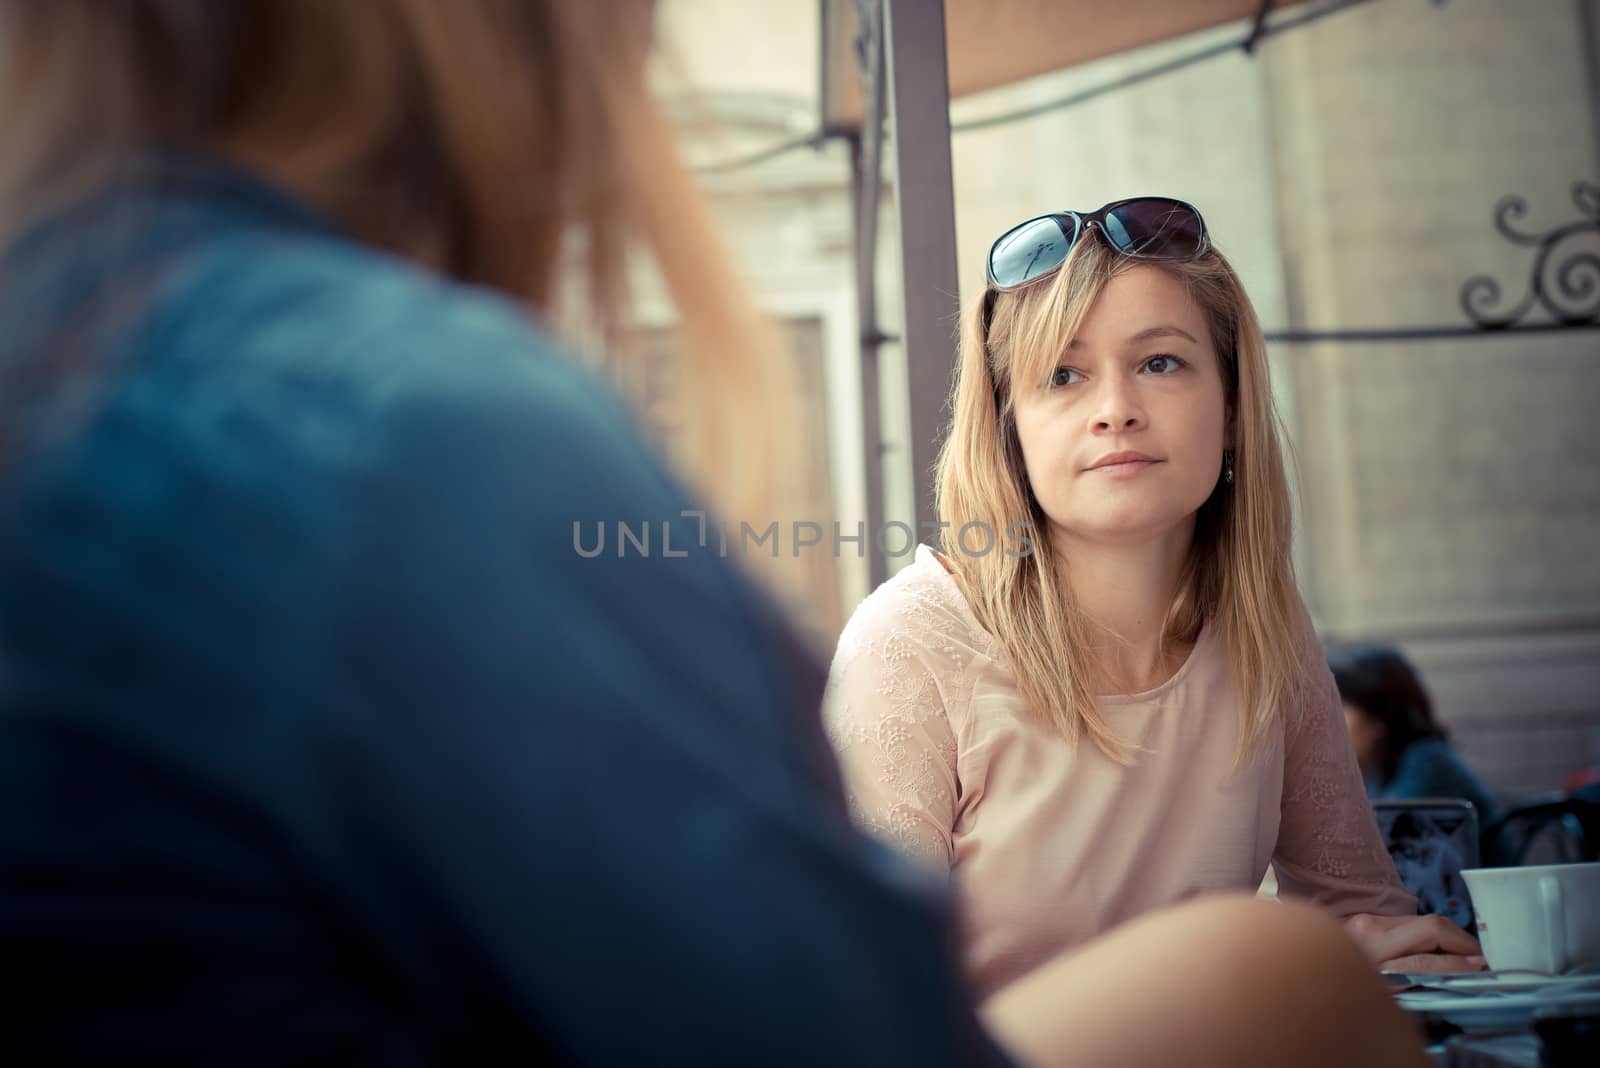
(1449, 487)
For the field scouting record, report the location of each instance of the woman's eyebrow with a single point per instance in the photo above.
(1147, 334)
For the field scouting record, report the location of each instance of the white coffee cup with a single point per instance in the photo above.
(1544, 918)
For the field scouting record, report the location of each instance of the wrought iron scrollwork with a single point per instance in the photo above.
(1565, 287)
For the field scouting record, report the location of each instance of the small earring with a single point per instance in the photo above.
(1227, 466)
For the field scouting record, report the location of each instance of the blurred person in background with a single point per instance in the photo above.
(1134, 710)
(1402, 750)
(319, 738)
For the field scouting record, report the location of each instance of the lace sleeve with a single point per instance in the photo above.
(1329, 850)
(886, 717)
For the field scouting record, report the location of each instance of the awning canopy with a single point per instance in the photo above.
(995, 42)
(917, 55)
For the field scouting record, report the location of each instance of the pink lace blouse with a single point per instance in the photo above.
(1049, 845)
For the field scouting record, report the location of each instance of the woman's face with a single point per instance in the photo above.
(1141, 378)
(1366, 736)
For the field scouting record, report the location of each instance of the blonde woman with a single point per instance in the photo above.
(322, 739)
(1128, 707)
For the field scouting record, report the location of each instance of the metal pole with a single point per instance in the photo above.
(866, 185)
(919, 117)
(1589, 41)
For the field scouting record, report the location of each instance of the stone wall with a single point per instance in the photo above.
(1449, 489)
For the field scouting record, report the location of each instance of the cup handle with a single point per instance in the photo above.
(1555, 922)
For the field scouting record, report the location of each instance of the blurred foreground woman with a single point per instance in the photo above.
(320, 740)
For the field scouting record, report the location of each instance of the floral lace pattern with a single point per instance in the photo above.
(901, 671)
(1329, 847)
(900, 715)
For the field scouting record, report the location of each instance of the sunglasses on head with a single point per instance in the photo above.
(1145, 228)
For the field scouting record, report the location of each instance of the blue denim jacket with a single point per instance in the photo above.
(1431, 768)
(320, 739)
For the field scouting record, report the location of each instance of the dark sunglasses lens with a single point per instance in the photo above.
(1155, 228)
(1035, 248)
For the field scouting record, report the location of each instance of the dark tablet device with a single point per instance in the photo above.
(1431, 840)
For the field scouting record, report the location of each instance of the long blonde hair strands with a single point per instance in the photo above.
(485, 139)
(1239, 573)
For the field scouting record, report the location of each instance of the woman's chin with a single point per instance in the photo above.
(1129, 528)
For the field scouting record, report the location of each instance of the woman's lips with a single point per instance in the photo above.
(1125, 469)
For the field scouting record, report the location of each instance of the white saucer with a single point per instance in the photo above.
(1487, 1010)
(1512, 983)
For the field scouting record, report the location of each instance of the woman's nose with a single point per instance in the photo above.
(1117, 407)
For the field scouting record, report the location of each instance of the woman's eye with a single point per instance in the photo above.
(1162, 365)
(1064, 376)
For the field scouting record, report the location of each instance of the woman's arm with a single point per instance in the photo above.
(886, 717)
(1329, 849)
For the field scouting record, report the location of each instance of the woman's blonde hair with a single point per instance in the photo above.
(495, 141)
(1239, 572)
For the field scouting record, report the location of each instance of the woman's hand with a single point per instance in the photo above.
(1427, 944)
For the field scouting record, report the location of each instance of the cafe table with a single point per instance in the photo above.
(1506, 1019)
